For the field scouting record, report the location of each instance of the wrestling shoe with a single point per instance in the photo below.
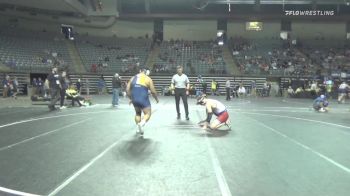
(178, 116)
(139, 129)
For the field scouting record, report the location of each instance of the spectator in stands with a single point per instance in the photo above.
(101, 85)
(228, 89)
(269, 86)
(6, 85)
(253, 88)
(329, 87)
(15, 87)
(200, 82)
(213, 87)
(234, 90)
(204, 87)
(54, 83)
(64, 86)
(265, 89)
(313, 89)
(116, 86)
(241, 91)
(342, 92)
(87, 86)
(93, 68)
(78, 85)
(34, 87)
(217, 88)
(46, 88)
(40, 87)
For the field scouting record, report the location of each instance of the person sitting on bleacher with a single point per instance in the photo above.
(72, 94)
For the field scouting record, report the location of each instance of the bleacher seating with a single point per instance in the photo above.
(22, 81)
(34, 52)
(329, 56)
(269, 57)
(112, 54)
(197, 58)
(164, 81)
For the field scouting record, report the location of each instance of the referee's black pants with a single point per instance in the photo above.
(181, 92)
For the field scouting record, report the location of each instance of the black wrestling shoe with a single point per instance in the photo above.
(178, 116)
(187, 118)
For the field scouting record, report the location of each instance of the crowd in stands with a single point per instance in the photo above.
(10, 87)
(203, 57)
(33, 51)
(330, 87)
(113, 54)
(286, 58)
(331, 59)
(29, 51)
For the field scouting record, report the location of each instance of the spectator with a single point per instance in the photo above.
(87, 86)
(199, 85)
(342, 91)
(40, 87)
(269, 86)
(116, 86)
(253, 88)
(290, 91)
(241, 91)
(6, 85)
(34, 87)
(63, 87)
(228, 89)
(329, 87)
(101, 85)
(213, 87)
(265, 92)
(73, 94)
(46, 88)
(78, 85)
(313, 89)
(54, 83)
(15, 88)
(204, 87)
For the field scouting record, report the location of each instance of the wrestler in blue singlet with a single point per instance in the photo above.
(139, 92)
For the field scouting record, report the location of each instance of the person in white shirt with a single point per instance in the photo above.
(181, 84)
(290, 91)
(342, 91)
(228, 89)
(313, 89)
(241, 91)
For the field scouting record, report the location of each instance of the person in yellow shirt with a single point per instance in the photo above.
(213, 87)
(72, 94)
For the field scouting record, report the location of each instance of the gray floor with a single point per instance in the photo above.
(276, 147)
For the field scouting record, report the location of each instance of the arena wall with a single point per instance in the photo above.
(238, 29)
(198, 30)
(311, 30)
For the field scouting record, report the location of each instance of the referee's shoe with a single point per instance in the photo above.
(179, 117)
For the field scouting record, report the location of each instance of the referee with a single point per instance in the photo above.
(181, 84)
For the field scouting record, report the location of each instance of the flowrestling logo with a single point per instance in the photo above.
(309, 13)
